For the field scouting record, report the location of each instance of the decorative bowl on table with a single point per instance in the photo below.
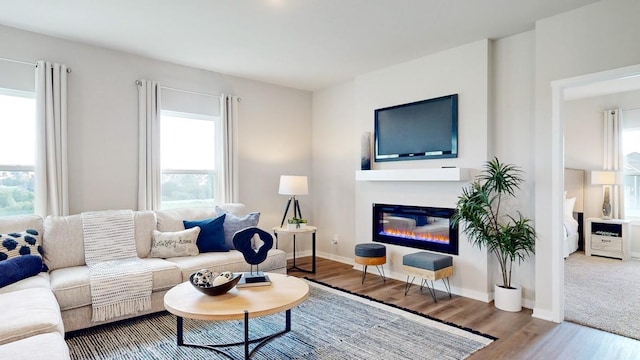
(213, 284)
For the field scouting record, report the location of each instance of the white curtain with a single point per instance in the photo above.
(148, 145)
(613, 157)
(52, 180)
(227, 183)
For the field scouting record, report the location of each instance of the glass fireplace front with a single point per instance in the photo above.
(426, 228)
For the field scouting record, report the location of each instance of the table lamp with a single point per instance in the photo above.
(606, 179)
(293, 185)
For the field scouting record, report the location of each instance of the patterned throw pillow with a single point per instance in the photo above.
(175, 244)
(17, 244)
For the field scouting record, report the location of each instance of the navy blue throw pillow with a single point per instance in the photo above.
(18, 268)
(211, 237)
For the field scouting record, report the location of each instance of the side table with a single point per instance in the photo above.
(307, 230)
(611, 238)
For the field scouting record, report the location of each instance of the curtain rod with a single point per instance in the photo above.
(17, 61)
(26, 63)
(138, 82)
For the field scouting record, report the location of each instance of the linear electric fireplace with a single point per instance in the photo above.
(426, 228)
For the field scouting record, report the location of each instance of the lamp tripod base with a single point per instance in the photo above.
(296, 210)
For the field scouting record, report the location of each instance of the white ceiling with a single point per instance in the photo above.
(304, 44)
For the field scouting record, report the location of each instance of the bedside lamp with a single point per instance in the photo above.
(293, 185)
(606, 179)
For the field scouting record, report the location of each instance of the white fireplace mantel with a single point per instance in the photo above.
(434, 174)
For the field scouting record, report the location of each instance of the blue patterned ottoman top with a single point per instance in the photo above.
(428, 261)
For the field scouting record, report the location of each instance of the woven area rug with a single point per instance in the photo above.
(331, 324)
(603, 293)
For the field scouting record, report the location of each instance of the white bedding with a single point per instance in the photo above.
(570, 228)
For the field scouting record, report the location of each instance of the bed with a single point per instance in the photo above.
(573, 210)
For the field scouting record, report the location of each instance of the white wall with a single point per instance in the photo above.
(274, 122)
(513, 76)
(465, 71)
(334, 143)
(594, 38)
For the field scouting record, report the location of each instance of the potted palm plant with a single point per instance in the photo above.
(481, 213)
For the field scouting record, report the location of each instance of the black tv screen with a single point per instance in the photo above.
(426, 129)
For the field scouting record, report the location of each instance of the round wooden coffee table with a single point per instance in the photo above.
(284, 293)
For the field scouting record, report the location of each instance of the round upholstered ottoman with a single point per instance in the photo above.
(371, 254)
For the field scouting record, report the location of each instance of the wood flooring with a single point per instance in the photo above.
(520, 336)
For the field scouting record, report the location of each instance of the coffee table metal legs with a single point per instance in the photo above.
(247, 354)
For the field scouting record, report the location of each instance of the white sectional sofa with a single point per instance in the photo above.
(45, 306)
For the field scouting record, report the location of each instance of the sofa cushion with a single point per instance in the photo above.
(211, 237)
(63, 242)
(49, 346)
(175, 243)
(19, 268)
(41, 280)
(171, 220)
(72, 287)
(227, 261)
(27, 242)
(28, 312)
(234, 223)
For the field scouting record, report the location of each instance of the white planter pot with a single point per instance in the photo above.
(293, 227)
(508, 299)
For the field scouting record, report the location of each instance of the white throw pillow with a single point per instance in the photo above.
(568, 207)
(175, 244)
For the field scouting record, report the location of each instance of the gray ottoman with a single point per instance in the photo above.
(429, 267)
(371, 254)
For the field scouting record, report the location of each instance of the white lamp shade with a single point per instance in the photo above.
(293, 185)
(603, 178)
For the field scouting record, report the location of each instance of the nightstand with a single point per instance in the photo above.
(610, 238)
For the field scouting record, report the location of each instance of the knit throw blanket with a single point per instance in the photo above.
(120, 281)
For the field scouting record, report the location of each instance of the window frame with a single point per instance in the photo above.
(218, 151)
(22, 168)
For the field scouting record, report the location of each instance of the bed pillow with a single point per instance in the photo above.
(234, 223)
(17, 244)
(211, 237)
(175, 243)
(568, 207)
(18, 268)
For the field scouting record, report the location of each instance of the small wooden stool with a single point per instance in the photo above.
(429, 267)
(371, 254)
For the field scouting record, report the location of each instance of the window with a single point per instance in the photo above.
(18, 152)
(631, 153)
(189, 153)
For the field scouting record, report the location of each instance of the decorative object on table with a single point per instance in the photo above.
(212, 283)
(293, 185)
(365, 151)
(254, 244)
(510, 238)
(296, 224)
(606, 179)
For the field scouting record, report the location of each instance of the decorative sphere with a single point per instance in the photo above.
(203, 278)
(220, 280)
(227, 274)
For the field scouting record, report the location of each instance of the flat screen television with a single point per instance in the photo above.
(426, 129)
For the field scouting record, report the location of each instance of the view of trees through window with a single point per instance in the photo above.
(188, 159)
(17, 157)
